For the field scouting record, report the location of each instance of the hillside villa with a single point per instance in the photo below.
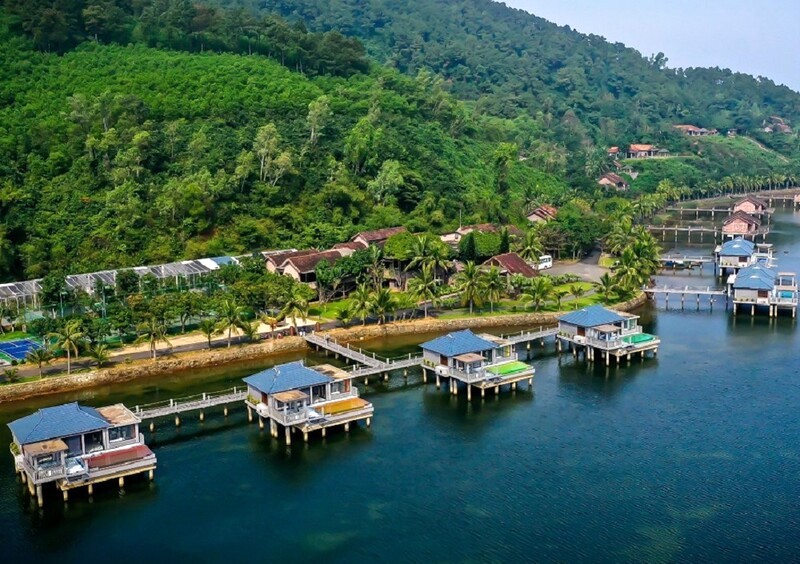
(643, 151)
(303, 268)
(613, 180)
(511, 264)
(543, 213)
(377, 237)
(694, 131)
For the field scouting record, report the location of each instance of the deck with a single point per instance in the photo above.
(373, 363)
(197, 402)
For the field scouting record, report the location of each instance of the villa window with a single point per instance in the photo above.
(93, 442)
(119, 434)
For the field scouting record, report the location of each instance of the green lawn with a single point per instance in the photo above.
(14, 335)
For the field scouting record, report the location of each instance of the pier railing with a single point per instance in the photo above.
(190, 403)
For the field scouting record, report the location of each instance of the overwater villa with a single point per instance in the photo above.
(596, 329)
(742, 224)
(752, 205)
(73, 445)
(740, 253)
(481, 361)
(760, 286)
(305, 399)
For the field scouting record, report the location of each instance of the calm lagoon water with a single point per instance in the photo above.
(692, 456)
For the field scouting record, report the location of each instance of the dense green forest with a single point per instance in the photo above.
(142, 131)
(119, 155)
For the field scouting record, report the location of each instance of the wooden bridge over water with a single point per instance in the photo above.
(198, 402)
(685, 292)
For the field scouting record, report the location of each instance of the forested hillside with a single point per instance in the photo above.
(117, 155)
(511, 62)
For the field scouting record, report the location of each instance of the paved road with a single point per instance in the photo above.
(587, 268)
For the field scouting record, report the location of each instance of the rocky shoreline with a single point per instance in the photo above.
(266, 349)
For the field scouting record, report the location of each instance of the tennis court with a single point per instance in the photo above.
(19, 348)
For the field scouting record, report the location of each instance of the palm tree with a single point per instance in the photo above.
(425, 250)
(230, 316)
(152, 332)
(68, 339)
(470, 283)
(375, 267)
(405, 303)
(360, 299)
(383, 304)
(296, 305)
(425, 287)
(272, 321)
(606, 287)
(99, 353)
(577, 291)
(540, 290)
(530, 249)
(39, 356)
(249, 330)
(208, 327)
(558, 296)
(345, 315)
(494, 285)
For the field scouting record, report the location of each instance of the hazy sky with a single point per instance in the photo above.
(758, 37)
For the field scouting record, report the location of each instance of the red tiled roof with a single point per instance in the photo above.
(615, 178)
(613, 150)
(352, 245)
(642, 148)
(743, 216)
(752, 199)
(279, 258)
(687, 127)
(545, 213)
(513, 264)
(378, 235)
(307, 263)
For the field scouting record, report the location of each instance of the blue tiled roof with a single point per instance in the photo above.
(737, 248)
(57, 422)
(460, 342)
(290, 376)
(591, 316)
(756, 277)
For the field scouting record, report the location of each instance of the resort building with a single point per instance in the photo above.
(760, 286)
(734, 255)
(596, 329)
(613, 152)
(511, 264)
(480, 361)
(741, 224)
(694, 131)
(377, 237)
(305, 399)
(614, 181)
(275, 261)
(72, 446)
(303, 268)
(751, 205)
(542, 214)
(643, 151)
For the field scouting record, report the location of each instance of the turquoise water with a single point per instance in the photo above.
(692, 456)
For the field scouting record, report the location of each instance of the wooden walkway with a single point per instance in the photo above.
(528, 336)
(685, 290)
(372, 363)
(190, 403)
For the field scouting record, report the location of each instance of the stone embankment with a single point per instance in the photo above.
(265, 349)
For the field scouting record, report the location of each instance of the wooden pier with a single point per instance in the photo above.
(199, 402)
(715, 232)
(687, 291)
(714, 211)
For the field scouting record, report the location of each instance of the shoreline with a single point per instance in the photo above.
(266, 349)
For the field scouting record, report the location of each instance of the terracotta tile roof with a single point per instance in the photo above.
(307, 263)
(512, 263)
(279, 258)
(642, 148)
(742, 216)
(352, 245)
(753, 200)
(613, 150)
(378, 235)
(687, 127)
(612, 177)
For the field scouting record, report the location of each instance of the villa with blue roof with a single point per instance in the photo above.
(612, 334)
(73, 445)
(760, 286)
(304, 399)
(739, 253)
(480, 361)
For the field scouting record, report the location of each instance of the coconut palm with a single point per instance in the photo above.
(577, 291)
(208, 327)
(558, 296)
(249, 330)
(99, 353)
(606, 286)
(39, 356)
(494, 285)
(152, 332)
(360, 300)
(272, 322)
(230, 316)
(424, 287)
(405, 303)
(345, 315)
(470, 283)
(296, 305)
(383, 304)
(375, 268)
(427, 250)
(530, 248)
(540, 290)
(68, 339)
